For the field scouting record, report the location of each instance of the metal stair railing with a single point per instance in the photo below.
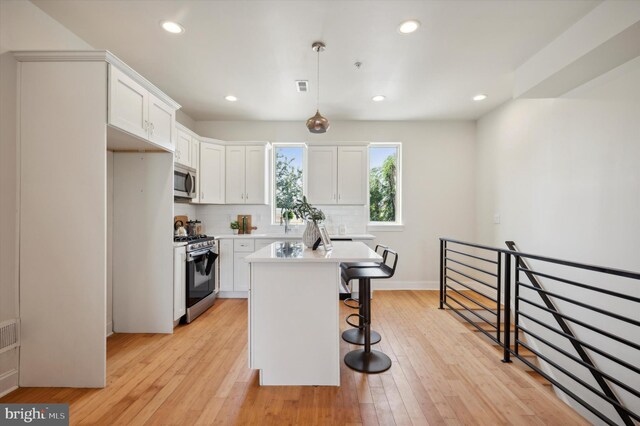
(605, 391)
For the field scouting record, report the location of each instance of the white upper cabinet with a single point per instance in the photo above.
(337, 175)
(256, 184)
(352, 174)
(183, 149)
(135, 110)
(195, 164)
(212, 173)
(161, 122)
(246, 174)
(128, 104)
(322, 173)
(235, 179)
(194, 156)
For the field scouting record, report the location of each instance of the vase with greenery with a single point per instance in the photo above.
(311, 215)
(235, 227)
(286, 215)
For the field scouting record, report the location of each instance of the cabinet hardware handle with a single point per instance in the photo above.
(242, 196)
(151, 124)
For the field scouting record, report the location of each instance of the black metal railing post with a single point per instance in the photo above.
(441, 273)
(516, 302)
(507, 308)
(499, 297)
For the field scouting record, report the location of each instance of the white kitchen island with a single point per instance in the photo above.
(294, 333)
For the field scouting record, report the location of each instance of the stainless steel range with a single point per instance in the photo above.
(202, 273)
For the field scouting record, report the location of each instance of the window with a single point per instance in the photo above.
(288, 160)
(384, 184)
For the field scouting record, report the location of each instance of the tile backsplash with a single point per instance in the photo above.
(216, 218)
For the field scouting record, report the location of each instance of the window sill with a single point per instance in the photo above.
(391, 227)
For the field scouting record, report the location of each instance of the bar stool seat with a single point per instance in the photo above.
(367, 360)
(347, 265)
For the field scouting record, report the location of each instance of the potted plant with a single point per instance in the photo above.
(235, 227)
(312, 215)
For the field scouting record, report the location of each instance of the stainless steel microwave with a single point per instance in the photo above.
(184, 182)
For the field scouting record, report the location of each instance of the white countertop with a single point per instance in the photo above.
(179, 243)
(291, 236)
(343, 251)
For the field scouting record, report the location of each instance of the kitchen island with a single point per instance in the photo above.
(294, 333)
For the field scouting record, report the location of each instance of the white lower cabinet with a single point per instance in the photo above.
(179, 282)
(241, 272)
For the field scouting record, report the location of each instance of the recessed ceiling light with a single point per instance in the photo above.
(480, 97)
(172, 27)
(231, 98)
(378, 98)
(407, 27)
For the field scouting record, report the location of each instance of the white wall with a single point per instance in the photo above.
(438, 191)
(23, 26)
(564, 175)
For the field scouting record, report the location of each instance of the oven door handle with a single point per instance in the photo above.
(192, 255)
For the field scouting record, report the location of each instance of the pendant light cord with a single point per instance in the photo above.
(318, 91)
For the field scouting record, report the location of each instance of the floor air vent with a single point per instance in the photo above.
(9, 335)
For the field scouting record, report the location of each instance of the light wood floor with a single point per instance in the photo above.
(441, 374)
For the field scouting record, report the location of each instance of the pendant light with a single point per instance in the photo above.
(318, 123)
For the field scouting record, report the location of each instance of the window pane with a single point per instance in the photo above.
(383, 172)
(288, 178)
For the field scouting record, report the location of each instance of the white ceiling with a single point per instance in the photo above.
(256, 49)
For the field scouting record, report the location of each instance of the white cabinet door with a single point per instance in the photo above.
(212, 173)
(241, 272)
(161, 123)
(179, 282)
(225, 257)
(352, 174)
(256, 182)
(195, 163)
(322, 174)
(128, 104)
(194, 152)
(235, 175)
(183, 149)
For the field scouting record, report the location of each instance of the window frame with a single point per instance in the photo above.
(398, 224)
(272, 172)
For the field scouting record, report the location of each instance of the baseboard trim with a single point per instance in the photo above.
(8, 382)
(109, 328)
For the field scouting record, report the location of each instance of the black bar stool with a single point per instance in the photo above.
(356, 335)
(367, 360)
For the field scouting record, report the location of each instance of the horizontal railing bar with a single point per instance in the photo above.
(581, 362)
(472, 267)
(471, 278)
(595, 268)
(582, 305)
(583, 324)
(471, 322)
(480, 246)
(586, 345)
(467, 308)
(577, 284)
(580, 381)
(471, 255)
(471, 300)
(476, 291)
(564, 389)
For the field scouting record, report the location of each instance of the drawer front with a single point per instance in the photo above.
(244, 245)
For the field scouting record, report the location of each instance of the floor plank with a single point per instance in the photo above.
(441, 374)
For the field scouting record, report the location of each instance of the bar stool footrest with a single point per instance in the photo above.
(351, 299)
(364, 320)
